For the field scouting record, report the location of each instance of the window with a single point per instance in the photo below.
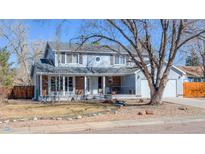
(70, 83)
(66, 83)
(119, 59)
(53, 84)
(80, 59)
(111, 59)
(99, 82)
(63, 58)
(61, 83)
(69, 58)
(75, 58)
(97, 59)
(122, 60)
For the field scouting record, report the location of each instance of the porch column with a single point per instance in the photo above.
(59, 90)
(36, 87)
(40, 85)
(104, 85)
(49, 85)
(56, 85)
(85, 85)
(74, 85)
(63, 85)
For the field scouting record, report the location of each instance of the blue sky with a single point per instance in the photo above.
(45, 30)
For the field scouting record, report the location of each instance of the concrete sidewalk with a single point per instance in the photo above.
(98, 125)
(195, 102)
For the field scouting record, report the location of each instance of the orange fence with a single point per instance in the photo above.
(17, 92)
(194, 89)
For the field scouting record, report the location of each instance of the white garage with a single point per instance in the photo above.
(170, 89)
(174, 86)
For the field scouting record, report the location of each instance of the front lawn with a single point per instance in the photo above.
(30, 110)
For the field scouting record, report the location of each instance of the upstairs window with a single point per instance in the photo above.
(111, 60)
(119, 59)
(63, 58)
(75, 58)
(69, 58)
(80, 59)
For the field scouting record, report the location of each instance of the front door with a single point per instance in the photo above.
(94, 85)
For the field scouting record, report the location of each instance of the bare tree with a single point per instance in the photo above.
(198, 45)
(15, 34)
(160, 40)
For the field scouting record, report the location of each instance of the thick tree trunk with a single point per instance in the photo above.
(156, 95)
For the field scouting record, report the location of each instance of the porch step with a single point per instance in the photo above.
(128, 96)
(99, 97)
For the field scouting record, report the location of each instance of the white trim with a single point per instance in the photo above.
(63, 85)
(88, 51)
(49, 85)
(85, 85)
(104, 86)
(73, 84)
(86, 74)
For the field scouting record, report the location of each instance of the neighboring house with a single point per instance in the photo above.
(193, 73)
(93, 71)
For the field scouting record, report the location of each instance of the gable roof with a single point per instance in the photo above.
(88, 48)
(192, 71)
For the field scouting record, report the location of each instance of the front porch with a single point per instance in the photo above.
(65, 87)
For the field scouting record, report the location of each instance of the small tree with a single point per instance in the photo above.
(193, 59)
(6, 73)
(160, 40)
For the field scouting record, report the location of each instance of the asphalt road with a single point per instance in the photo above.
(180, 128)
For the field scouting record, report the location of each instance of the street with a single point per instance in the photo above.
(177, 128)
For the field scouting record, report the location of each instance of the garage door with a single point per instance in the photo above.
(170, 89)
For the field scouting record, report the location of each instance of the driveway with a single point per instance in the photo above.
(196, 102)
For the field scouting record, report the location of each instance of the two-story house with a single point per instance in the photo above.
(91, 71)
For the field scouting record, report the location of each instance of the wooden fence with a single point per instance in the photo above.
(17, 92)
(194, 89)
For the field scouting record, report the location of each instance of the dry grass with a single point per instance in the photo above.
(29, 110)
